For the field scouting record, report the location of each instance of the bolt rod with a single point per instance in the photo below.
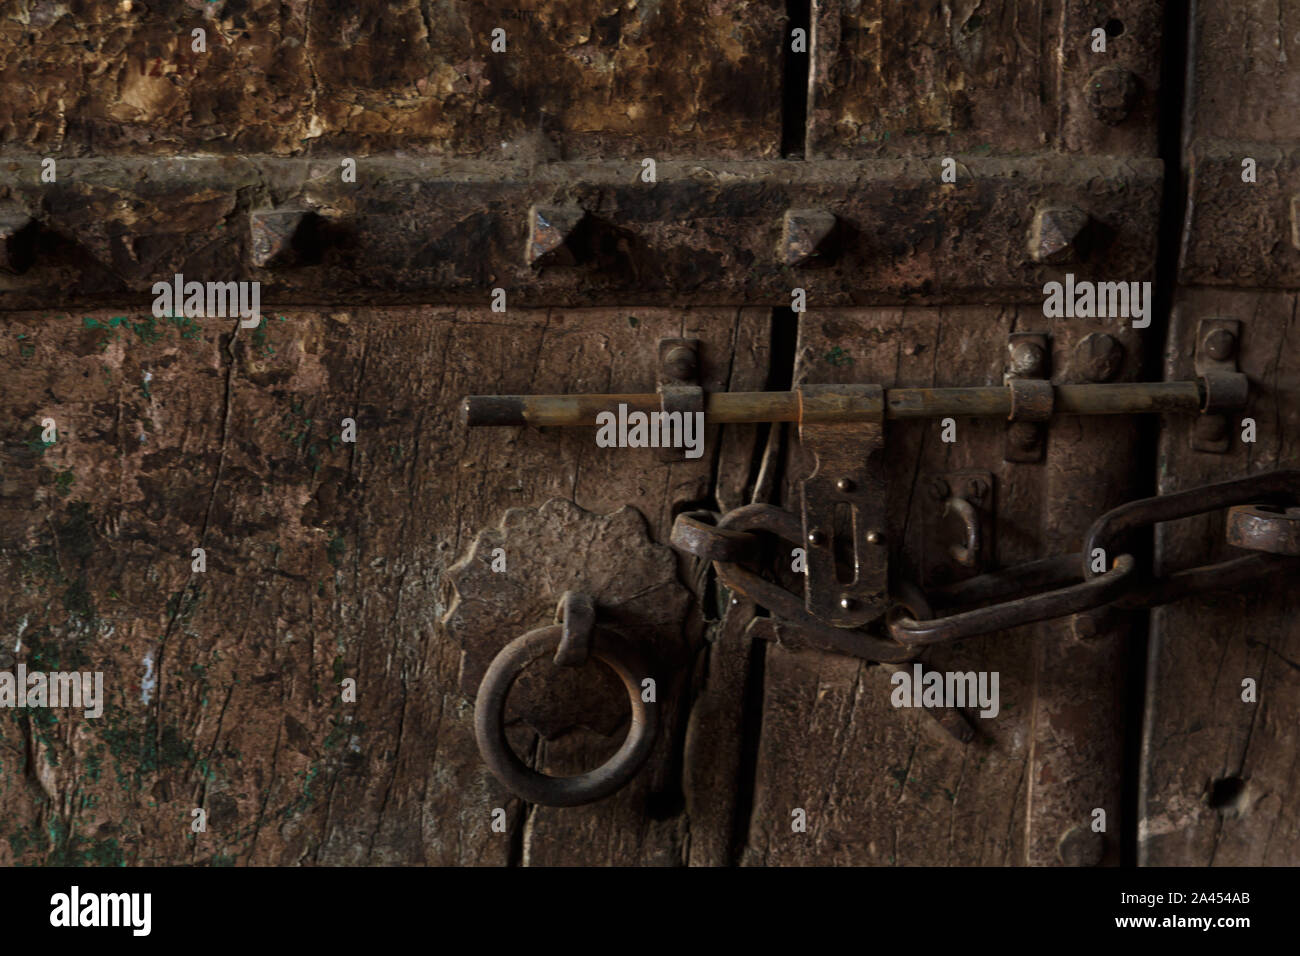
(1125, 398)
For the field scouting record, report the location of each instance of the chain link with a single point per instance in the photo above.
(1105, 572)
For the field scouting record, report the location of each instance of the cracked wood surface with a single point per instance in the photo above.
(661, 77)
(1002, 76)
(324, 561)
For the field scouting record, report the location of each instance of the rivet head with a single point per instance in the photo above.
(16, 245)
(1112, 93)
(1027, 359)
(1098, 357)
(1056, 233)
(847, 603)
(806, 236)
(845, 485)
(681, 363)
(816, 538)
(550, 232)
(1220, 345)
(273, 233)
(875, 537)
(1081, 846)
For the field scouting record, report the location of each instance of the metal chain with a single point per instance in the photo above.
(1262, 517)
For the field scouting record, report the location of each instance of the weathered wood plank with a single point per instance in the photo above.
(575, 78)
(884, 786)
(1244, 73)
(644, 823)
(972, 75)
(1219, 774)
(324, 561)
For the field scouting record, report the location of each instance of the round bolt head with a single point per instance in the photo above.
(681, 363)
(939, 490)
(1081, 846)
(875, 537)
(1112, 93)
(847, 603)
(816, 538)
(1220, 345)
(1098, 357)
(1027, 359)
(845, 484)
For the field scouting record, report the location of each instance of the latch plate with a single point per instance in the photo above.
(844, 505)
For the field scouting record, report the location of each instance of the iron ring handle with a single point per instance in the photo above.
(529, 784)
(1044, 606)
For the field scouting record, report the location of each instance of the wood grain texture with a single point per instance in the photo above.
(976, 76)
(1245, 71)
(1219, 775)
(324, 561)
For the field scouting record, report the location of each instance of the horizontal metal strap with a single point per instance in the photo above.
(703, 232)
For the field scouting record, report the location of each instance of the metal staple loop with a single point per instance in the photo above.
(691, 535)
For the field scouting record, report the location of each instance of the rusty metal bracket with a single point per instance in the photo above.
(574, 233)
(843, 502)
(1216, 357)
(1269, 528)
(1032, 398)
(679, 388)
(732, 541)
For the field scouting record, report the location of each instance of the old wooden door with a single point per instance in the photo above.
(292, 562)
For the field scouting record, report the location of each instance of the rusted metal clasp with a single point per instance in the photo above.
(732, 542)
(572, 641)
(843, 502)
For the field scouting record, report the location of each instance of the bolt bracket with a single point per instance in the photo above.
(1217, 345)
(1028, 375)
(679, 383)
